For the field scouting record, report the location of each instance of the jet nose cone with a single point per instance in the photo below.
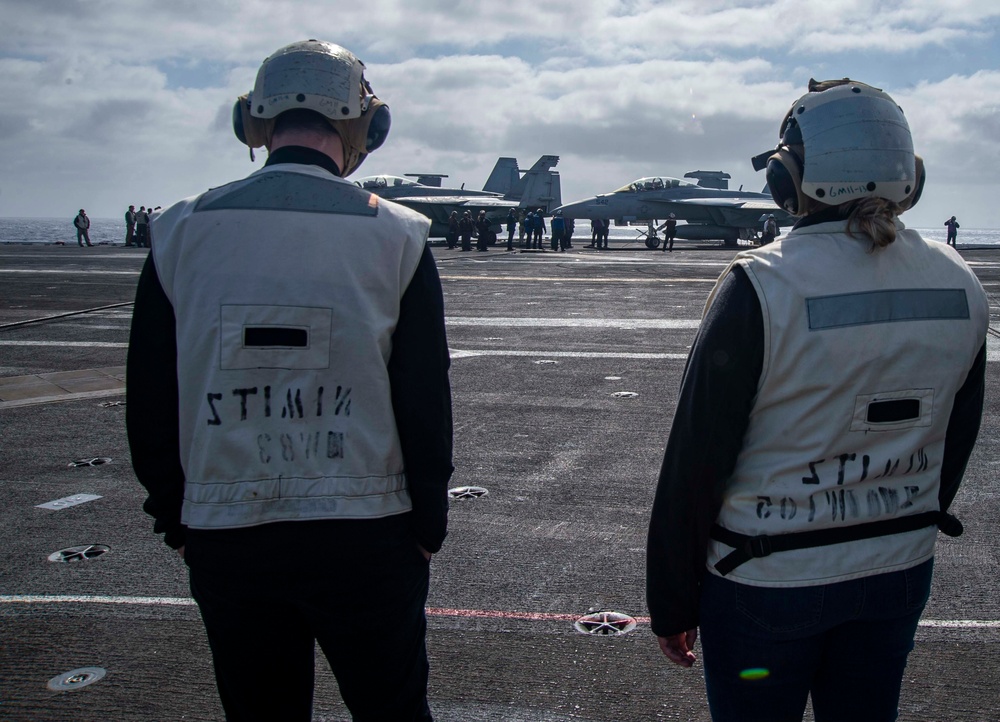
(578, 209)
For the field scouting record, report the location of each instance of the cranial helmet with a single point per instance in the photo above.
(842, 141)
(318, 76)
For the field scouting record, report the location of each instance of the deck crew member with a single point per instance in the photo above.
(288, 394)
(829, 406)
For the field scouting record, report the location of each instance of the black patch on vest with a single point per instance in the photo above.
(893, 411)
(275, 337)
(282, 191)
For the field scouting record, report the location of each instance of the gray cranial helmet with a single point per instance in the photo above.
(843, 141)
(312, 74)
(857, 144)
(320, 77)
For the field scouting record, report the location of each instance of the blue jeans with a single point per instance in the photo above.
(766, 649)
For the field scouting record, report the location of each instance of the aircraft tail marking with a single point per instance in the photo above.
(504, 176)
(540, 187)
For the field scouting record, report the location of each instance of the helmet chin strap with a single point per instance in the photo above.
(353, 156)
(257, 132)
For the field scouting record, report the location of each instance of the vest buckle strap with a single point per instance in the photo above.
(758, 546)
(746, 547)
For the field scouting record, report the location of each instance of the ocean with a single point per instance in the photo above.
(111, 231)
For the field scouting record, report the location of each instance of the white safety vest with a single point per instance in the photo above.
(864, 352)
(286, 289)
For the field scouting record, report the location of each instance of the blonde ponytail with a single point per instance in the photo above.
(875, 218)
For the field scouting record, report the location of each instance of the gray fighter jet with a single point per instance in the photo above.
(506, 188)
(711, 210)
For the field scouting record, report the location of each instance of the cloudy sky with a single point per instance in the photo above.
(112, 102)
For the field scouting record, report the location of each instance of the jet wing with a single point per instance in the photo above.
(742, 213)
(414, 201)
(438, 208)
(465, 202)
(494, 203)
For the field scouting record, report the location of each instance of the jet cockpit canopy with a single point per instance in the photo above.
(373, 182)
(655, 183)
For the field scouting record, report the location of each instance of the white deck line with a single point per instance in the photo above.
(69, 272)
(28, 599)
(460, 354)
(67, 344)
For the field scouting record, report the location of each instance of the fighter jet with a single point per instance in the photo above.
(506, 188)
(711, 210)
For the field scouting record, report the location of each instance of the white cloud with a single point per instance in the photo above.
(128, 101)
(956, 126)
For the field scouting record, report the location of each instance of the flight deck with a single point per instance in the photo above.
(565, 373)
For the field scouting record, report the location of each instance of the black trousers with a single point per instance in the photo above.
(266, 601)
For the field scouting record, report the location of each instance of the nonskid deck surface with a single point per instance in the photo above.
(565, 370)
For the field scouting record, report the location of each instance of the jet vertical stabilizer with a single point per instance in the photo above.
(710, 179)
(540, 187)
(427, 179)
(504, 177)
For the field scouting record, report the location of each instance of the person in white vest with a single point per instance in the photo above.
(829, 406)
(289, 408)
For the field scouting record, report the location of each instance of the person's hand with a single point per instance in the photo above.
(180, 550)
(677, 647)
(427, 554)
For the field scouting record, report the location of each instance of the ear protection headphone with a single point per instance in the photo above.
(378, 119)
(249, 130)
(784, 168)
(911, 200)
(373, 125)
(784, 180)
(365, 133)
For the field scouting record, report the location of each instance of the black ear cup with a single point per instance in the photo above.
(921, 176)
(378, 128)
(238, 128)
(784, 179)
(252, 132)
